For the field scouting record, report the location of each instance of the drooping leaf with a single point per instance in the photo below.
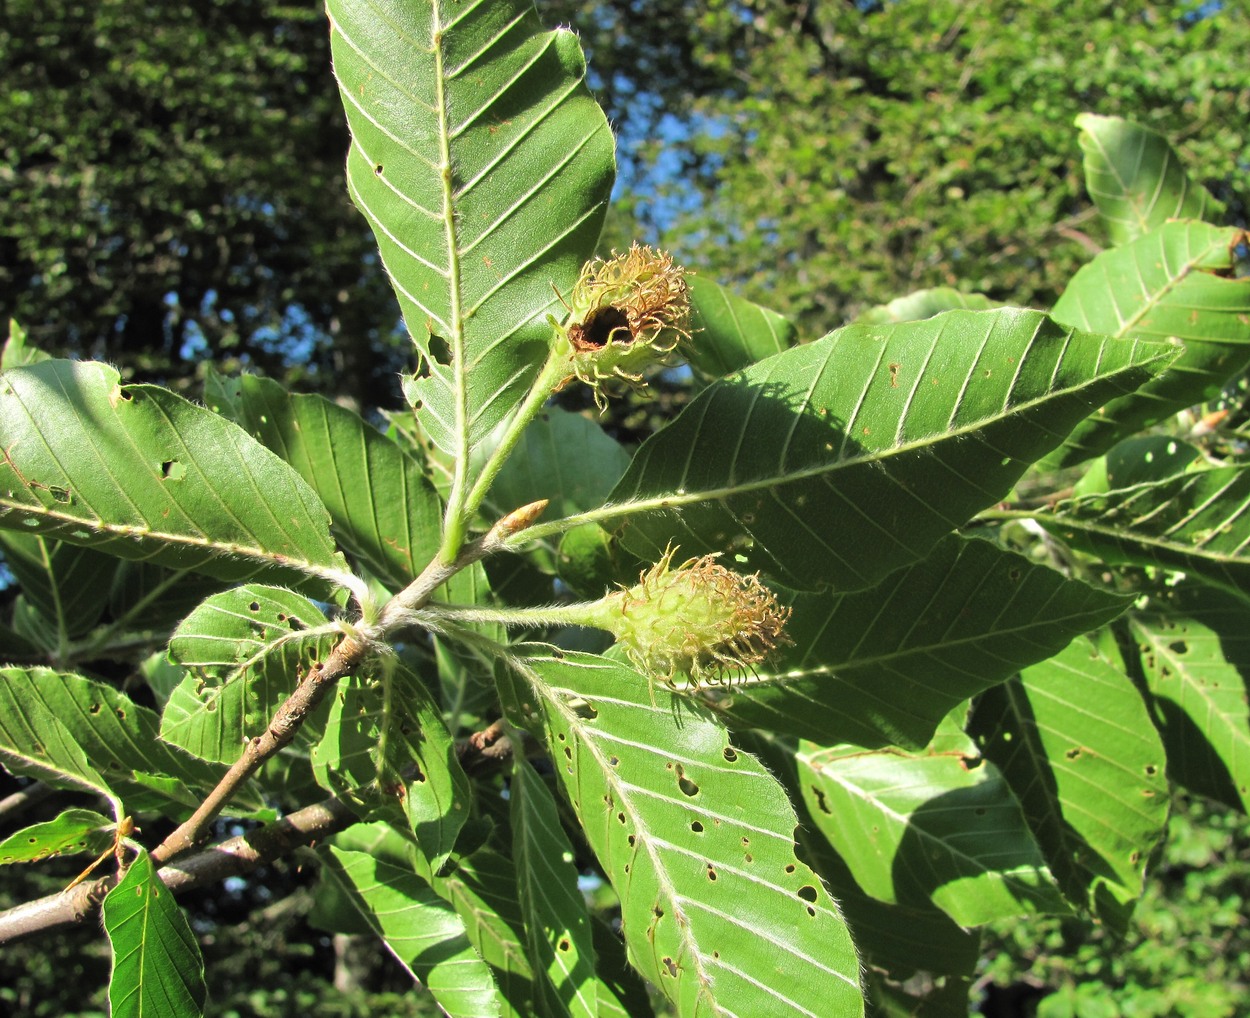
(938, 826)
(1075, 743)
(385, 742)
(157, 968)
(383, 510)
(837, 462)
(483, 166)
(916, 307)
(728, 332)
(138, 472)
(420, 929)
(73, 720)
(883, 666)
(72, 832)
(697, 839)
(558, 924)
(1136, 179)
(245, 650)
(1177, 282)
(1195, 522)
(1194, 652)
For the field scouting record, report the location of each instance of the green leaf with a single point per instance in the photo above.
(916, 307)
(483, 166)
(157, 968)
(483, 890)
(883, 666)
(729, 332)
(839, 461)
(383, 510)
(1136, 179)
(385, 741)
(940, 825)
(67, 584)
(52, 724)
(697, 838)
(17, 352)
(72, 832)
(1136, 461)
(140, 473)
(420, 929)
(1194, 645)
(1075, 743)
(1195, 522)
(558, 924)
(1175, 283)
(245, 650)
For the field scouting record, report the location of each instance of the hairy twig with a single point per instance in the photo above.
(318, 680)
(230, 858)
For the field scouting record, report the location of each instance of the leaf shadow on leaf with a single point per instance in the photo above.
(1192, 760)
(1083, 874)
(920, 885)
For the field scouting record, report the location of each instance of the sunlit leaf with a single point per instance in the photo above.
(383, 510)
(938, 826)
(1194, 647)
(157, 968)
(556, 917)
(483, 166)
(697, 838)
(245, 650)
(420, 929)
(1196, 522)
(1136, 179)
(72, 832)
(1177, 282)
(141, 473)
(728, 332)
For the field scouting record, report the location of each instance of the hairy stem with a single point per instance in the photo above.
(318, 680)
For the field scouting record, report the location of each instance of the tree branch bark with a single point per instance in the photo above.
(230, 858)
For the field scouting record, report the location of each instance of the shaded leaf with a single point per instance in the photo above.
(138, 472)
(728, 332)
(1194, 647)
(558, 924)
(885, 665)
(1196, 522)
(383, 510)
(483, 166)
(420, 929)
(72, 832)
(839, 461)
(245, 650)
(938, 826)
(67, 584)
(157, 968)
(697, 838)
(1174, 283)
(385, 742)
(1136, 179)
(1075, 743)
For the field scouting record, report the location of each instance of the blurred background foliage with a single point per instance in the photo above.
(171, 192)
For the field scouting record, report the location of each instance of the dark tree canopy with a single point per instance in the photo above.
(174, 177)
